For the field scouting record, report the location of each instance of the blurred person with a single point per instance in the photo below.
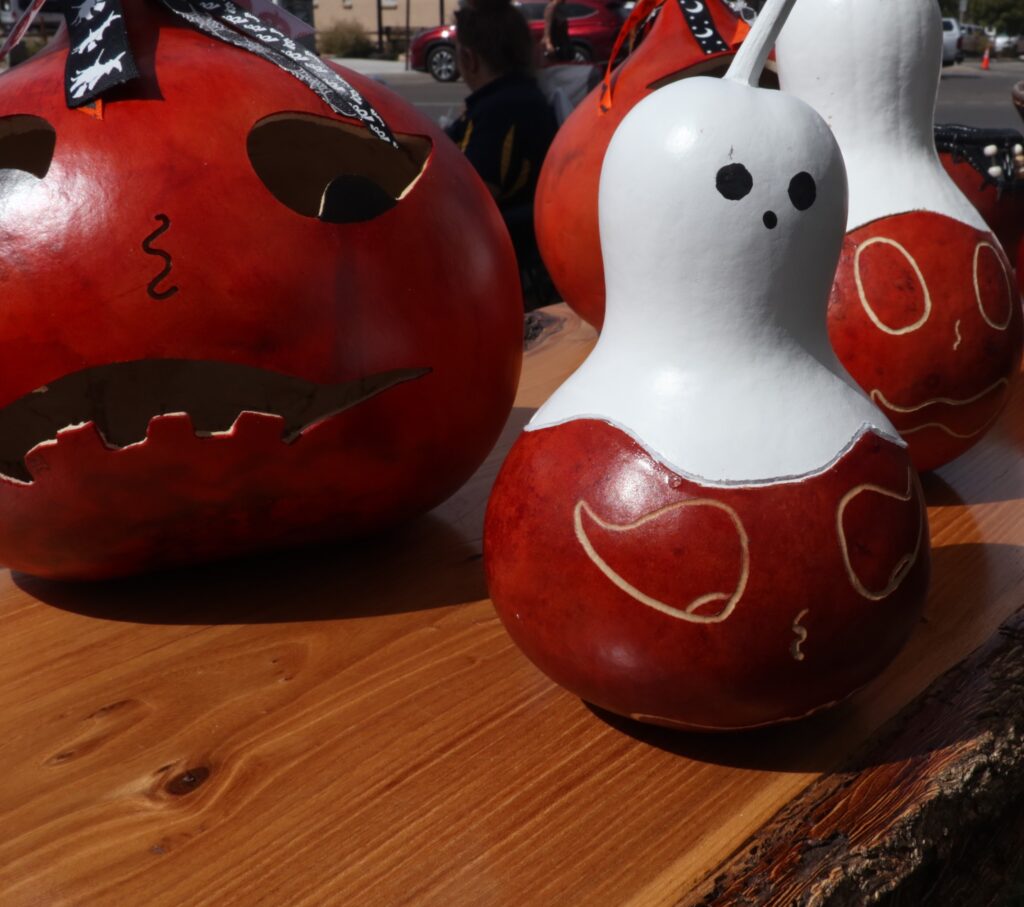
(507, 125)
(555, 43)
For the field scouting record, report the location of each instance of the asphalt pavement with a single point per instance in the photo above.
(967, 94)
(436, 99)
(973, 97)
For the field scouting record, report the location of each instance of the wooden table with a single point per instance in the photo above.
(353, 726)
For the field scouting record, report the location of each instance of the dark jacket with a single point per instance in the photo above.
(505, 132)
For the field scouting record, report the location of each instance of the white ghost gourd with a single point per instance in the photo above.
(709, 525)
(924, 312)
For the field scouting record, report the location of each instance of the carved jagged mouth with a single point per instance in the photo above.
(121, 399)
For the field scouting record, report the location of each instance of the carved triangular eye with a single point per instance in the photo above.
(337, 172)
(26, 144)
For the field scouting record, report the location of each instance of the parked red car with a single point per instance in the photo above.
(593, 27)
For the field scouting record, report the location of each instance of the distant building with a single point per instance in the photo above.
(422, 13)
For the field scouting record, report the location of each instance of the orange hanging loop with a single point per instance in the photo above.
(640, 13)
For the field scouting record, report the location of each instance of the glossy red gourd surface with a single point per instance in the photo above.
(157, 234)
(704, 607)
(926, 316)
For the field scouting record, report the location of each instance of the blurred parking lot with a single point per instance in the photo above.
(967, 93)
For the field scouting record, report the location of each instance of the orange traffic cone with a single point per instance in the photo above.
(985, 60)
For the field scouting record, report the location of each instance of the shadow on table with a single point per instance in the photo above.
(990, 472)
(431, 562)
(858, 733)
(962, 488)
(325, 582)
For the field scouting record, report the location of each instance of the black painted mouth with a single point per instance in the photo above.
(121, 399)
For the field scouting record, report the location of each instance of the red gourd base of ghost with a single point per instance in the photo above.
(180, 222)
(925, 315)
(706, 608)
(565, 210)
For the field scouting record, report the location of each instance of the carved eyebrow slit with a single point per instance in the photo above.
(26, 144)
(331, 170)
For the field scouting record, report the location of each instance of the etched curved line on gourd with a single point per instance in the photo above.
(149, 249)
(801, 635)
(959, 339)
(905, 563)
(963, 436)
(686, 613)
(879, 398)
(895, 332)
(977, 288)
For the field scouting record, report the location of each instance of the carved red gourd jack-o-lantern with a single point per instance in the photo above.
(233, 318)
(709, 525)
(687, 38)
(925, 313)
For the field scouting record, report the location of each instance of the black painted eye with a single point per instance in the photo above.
(734, 181)
(802, 191)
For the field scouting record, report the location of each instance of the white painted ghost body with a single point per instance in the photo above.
(871, 69)
(923, 313)
(715, 354)
(708, 526)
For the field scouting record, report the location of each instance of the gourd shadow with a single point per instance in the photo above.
(978, 477)
(870, 728)
(431, 562)
(938, 492)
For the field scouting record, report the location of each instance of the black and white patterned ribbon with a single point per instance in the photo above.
(699, 20)
(100, 56)
(232, 24)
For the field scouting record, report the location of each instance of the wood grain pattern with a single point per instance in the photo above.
(947, 770)
(352, 725)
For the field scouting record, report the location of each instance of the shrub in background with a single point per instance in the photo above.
(347, 38)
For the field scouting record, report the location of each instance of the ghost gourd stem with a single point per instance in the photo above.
(750, 58)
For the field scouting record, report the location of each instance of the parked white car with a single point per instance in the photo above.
(952, 43)
(1003, 44)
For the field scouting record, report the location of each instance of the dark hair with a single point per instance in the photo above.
(497, 31)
